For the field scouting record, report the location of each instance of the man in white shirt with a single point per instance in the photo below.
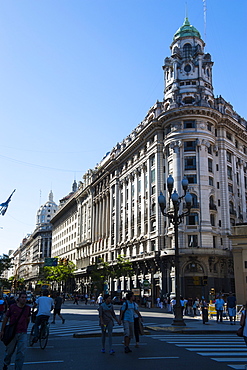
(45, 306)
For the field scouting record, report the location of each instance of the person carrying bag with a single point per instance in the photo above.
(14, 335)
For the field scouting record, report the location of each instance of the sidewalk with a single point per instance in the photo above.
(194, 325)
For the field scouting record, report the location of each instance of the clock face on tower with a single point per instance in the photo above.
(187, 68)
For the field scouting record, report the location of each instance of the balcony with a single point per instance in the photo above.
(233, 212)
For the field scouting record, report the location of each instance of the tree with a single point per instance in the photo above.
(60, 273)
(5, 263)
(101, 272)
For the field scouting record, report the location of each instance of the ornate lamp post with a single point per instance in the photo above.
(176, 219)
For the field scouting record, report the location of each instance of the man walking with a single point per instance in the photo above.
(231, 306)
(57, 308)
(18, 313)
(219, 306)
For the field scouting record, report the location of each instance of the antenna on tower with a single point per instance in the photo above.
(205, 18)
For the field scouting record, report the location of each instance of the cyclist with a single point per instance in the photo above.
(45, 306)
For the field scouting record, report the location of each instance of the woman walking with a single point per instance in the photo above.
(107, 317)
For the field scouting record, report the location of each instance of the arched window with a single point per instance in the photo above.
(187, 49)
(194, 201)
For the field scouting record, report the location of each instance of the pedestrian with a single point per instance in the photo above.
(137, 318)
(231, 307)
(195, 306)
(158, 302)
(57, 308)
(86, 298)
(99, 299)
(219, 306)
(204, 310)
(18, 313)
(127, 316)
(107, 317)
(2, 307)
(149, 301)
(76, 299)
(190, 306)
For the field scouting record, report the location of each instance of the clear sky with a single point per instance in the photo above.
(77, 76)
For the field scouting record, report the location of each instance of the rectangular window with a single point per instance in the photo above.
(214, 241)
(190, 163)
(229, 157)
(230, 188)
(210, 165)
(211, 181)
(192, 179)
(219, 223)
(212, 220)
(192, 241)
(192, 219)
(190, 124)
(229, 173)
(245, 264)
(152, 161)
(218, 185)
(219, 202)
(210, 126)
(190, 146)
(152, 175)
(228, 135)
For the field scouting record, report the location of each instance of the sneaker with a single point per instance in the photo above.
(103, 350)
(62, 321)
(111, 351)
(127, 350)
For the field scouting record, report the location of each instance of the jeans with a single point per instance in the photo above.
(219, 315)
(20, 343)
(38, 321)
(109, 328)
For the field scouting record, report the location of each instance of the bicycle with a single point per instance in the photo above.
(43, 334)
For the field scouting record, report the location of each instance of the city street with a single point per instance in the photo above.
(159, 348)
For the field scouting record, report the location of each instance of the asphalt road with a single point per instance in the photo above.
(159, 349)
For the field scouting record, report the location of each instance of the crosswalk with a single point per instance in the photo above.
(77, 326)
(228, 349)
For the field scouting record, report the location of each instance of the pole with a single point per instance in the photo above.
(178, 318)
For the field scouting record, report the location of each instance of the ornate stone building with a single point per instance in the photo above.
(36, 246)
(190, 133)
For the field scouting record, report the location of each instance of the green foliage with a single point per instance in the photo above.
(57, 273)
(101, 272)
(5, 263)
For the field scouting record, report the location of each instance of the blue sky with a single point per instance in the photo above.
(77, 76)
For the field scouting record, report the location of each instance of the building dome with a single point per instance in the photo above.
(186, 30)
(46, 211)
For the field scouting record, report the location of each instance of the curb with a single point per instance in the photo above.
(189, 330)
(98, 334)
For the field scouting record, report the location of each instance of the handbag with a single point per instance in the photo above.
(240, 331)
(141, 329)
(9, 330)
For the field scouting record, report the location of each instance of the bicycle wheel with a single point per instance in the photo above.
(44, 333)
(31, 336)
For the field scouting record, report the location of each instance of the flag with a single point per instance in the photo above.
(4, 206)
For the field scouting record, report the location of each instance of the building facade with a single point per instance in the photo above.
(36, 246)
(190, 133)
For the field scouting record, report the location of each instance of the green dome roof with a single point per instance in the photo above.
(186, 30)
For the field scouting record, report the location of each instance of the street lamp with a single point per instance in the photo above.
(176, 219)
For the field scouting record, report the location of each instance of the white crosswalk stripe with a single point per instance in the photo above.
(77, 326)
(221, 348)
